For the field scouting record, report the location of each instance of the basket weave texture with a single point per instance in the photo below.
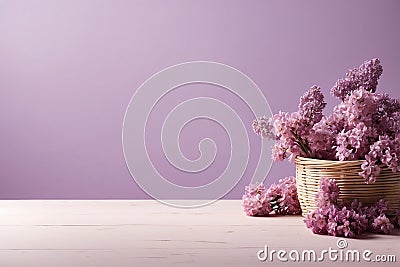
(310, 171)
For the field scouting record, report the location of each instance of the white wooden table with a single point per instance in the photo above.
(119, 233)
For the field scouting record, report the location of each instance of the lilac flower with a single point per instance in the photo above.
(318, 221)
(345, 222)
(279, 152)
(323, 137)
(264, 127)
(311, 105)
(254, 200)
(373, 212)
(366, 77)
(387, 116)
(336, 221)
(280, 198)
(384, 151)
(382, 225)
(341, 219)
(368, 74)
(290, 143)
(283, 196)
(328, 193)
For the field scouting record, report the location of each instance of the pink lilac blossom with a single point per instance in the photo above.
(382, 224)
(292, 128)
(365, 125)
(336, 218)
(280, 198)
(383, 151)
(376, 216)
(264, 127)
(323, 138)
(366, 76)
(254, 200)
(311, 106)
(288, 145)
(328, 193)
(283, 197)
(345, 222)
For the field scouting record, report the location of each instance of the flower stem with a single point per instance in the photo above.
(304, 146)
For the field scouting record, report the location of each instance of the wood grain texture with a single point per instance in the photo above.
(147, 233)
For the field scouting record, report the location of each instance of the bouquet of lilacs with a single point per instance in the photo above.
(365, 125)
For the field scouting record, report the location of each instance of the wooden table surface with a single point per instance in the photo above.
(119, 233)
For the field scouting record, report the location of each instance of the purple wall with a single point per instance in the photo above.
(69, 68)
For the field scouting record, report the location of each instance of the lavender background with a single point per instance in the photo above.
(69, 68)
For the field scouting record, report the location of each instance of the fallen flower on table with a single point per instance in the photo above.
(338, 218)
(280, 198)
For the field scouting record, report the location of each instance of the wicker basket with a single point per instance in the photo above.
(309, 172)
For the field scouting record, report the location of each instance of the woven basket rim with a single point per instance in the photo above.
(299, 159)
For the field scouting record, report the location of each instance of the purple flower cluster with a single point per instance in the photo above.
(365, 125)
(255, 201)
(337, 218)
(264, 127)
(366, 77)
(279, 198)
(292, 129)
